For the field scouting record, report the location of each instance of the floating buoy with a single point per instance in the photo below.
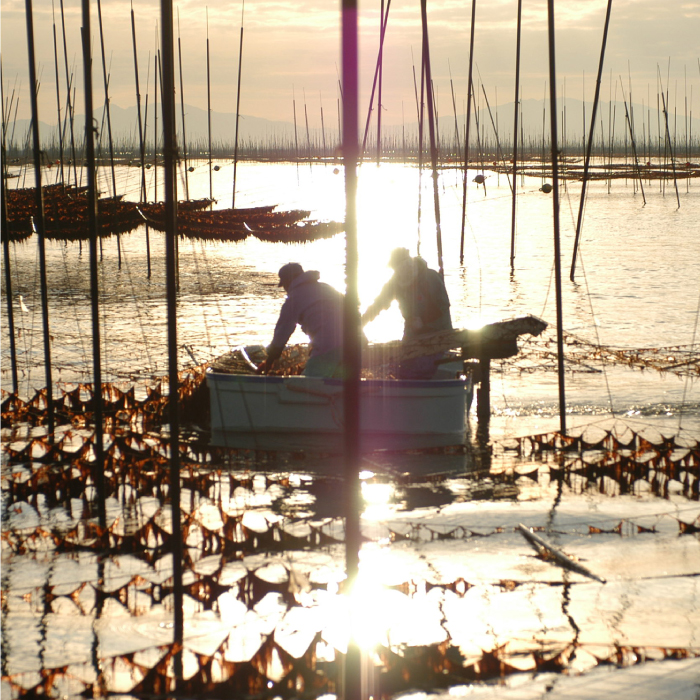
(335, 171)
(148, 166)
(217, 168)
(546, 188)
(191, 168)
(479, 179)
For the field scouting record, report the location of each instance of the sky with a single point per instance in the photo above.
(291, 53)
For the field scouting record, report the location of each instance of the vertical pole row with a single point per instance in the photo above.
(94, 282)
(589, 146)
(555, 204)
(238, 113)
(352, 329)
(170, 164)
(515, 135)
(431, 128)
(466, 135)
(39, 217)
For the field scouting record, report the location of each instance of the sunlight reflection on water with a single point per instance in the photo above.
(636, 284)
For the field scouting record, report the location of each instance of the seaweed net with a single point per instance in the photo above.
(228, 557)
(251, 545)
(537, 354)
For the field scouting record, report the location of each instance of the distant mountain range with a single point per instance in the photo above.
(534, 121)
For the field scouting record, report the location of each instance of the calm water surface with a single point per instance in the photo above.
(637, 283)
(443, 562)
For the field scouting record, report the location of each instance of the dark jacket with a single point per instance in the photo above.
(317, 308)
(422, 298)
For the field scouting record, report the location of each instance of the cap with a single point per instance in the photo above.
(398, 256)
(288, 273)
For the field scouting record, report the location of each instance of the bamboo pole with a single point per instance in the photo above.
(182, 111)
(105, 81)
(633, 142)
(555, 206)
(238, 112)
(170, 164)
(94, 281)
(352, 330)
(6, 243)
(39, 218)
(670, 147)
(58, 97)
(69, 107)
(156, 70)
(515, 133)
(382, 34)
(466, 136)
(589, 148)
(431, 127)
(380, 60)
(211, 184)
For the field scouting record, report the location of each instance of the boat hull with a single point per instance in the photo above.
(307, 412)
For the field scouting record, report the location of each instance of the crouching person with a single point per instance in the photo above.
(318, 309)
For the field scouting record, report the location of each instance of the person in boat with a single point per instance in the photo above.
(424, 305)
(318, 309)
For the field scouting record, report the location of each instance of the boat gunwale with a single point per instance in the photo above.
(277, 379)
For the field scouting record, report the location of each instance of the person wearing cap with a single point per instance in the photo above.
(423, 303)
(318, 309)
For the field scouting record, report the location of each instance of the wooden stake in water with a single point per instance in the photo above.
(589, 147)
(58, 99)
(69, 105)
(211, 186)
(238, 112)
(6, 245)
(105, 81)
(170, 164)
(470, 91)
(515, 134)
(431, 127)
(352, 330)
(98, 472)
(39, 218)
(182, 110)
(555, 206)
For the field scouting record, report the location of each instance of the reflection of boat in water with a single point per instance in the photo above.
(291, 411)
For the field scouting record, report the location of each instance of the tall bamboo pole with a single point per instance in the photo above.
(555, 206)
(105, 81)
(431, 127)
(382, 34)
(182, 110)
(630, 126)
(380, 60)
(39, 217)
(94, 281)
(670, 148)
(211, 184)
(515, 134)
(589, 147)
(138, 107)
(352, 329)
(6, 243)
(238, 111)
(470, 92)
(58, 98)
(69, 105)
(170, 164)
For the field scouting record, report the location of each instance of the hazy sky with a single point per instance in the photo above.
(293, 49)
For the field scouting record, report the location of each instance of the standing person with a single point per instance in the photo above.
(424, 305)
(318, 309)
